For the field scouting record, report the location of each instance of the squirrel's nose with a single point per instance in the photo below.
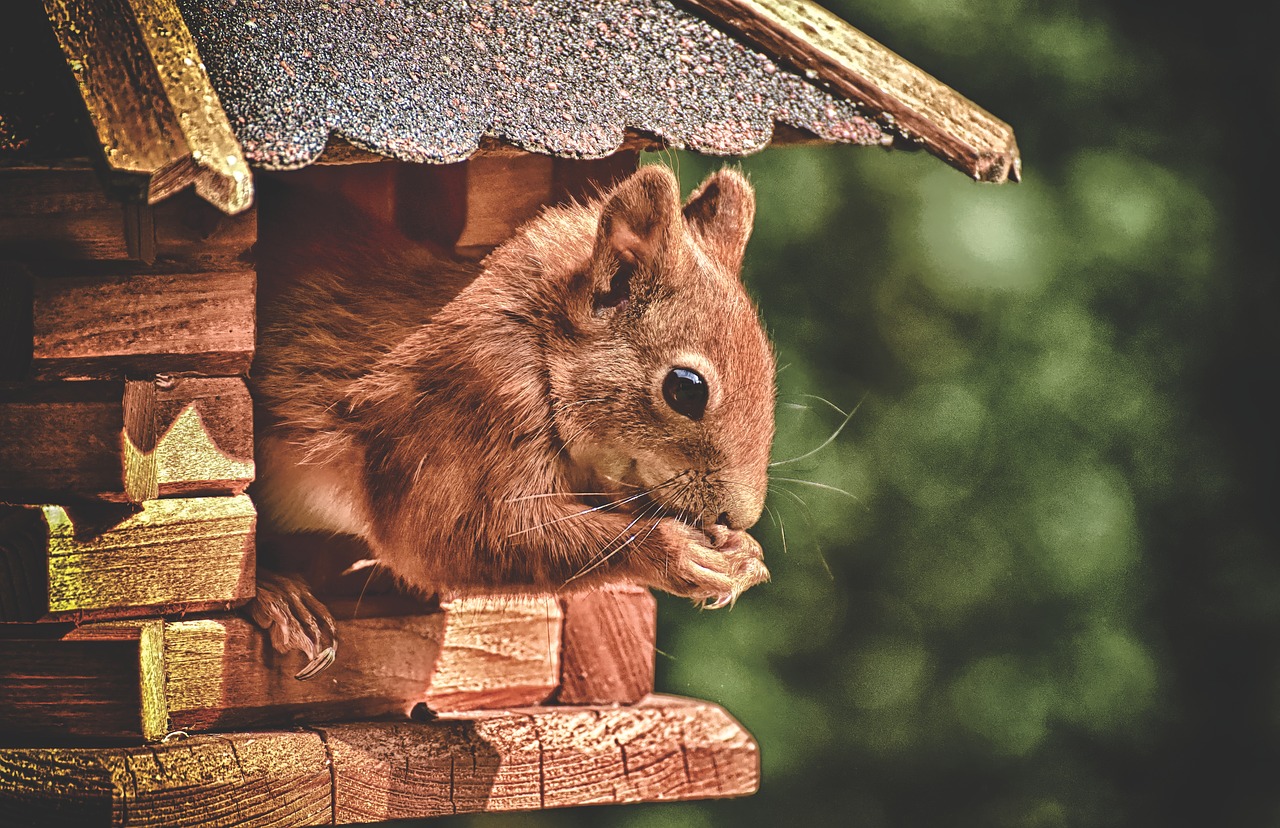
(741, 512)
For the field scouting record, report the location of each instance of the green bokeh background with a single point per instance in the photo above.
(1049, 592)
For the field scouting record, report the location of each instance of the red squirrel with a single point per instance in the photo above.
(593, 402)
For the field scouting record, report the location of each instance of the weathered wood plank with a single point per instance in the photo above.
(112, 327)
(247, 779)
(159, 122)
(59, 214)
(220, 672)
(474, 653)
(534, 758)
(62, 437)
(95, 562)
(100, 681)
(914, 104)
(192, 235)
(497, 652)
(126, 441)
(59, 220)
(190, 434)
(608, 650)
(502, 760)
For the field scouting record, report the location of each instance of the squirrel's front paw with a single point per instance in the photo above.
(715, 566)
(285, 608)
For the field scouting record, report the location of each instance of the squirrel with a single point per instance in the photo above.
(593, 402)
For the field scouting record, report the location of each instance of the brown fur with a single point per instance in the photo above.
(439, 404)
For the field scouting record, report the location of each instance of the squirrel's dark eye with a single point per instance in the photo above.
(686, 392)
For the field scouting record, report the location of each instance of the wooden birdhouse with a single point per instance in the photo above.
(134, 137)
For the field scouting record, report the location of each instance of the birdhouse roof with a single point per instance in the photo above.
(196, 92)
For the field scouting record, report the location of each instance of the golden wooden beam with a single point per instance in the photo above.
(159, 123)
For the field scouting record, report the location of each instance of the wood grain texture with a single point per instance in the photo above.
(475, 653)
(501, 760)
(907, 100)
(159, 123)
(59, 214)
(535, 758)
(608, 650)
(503, 192)
(187, 435)
(62, 438)
(59, 220)
(119, 441)
(60, 683)
(86, 563)
(497, 651)
(253, 779)
(111, 327)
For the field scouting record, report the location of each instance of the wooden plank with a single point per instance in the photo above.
(59, 214)
(159, 123)
(110, 327)
(126, 441)
(62, 437)
(497, 651)
(608, 646)
(503, 192)
(101, 681)
(191, 434)
(582, 180)
(914, 104)
(94, 563)
(250, 779)
(665, 749)
(192, 235)
(503, 760)
(477, 652)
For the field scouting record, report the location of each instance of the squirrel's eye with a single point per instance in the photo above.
(686, 392)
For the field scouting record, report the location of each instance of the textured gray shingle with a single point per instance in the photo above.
(425, 81)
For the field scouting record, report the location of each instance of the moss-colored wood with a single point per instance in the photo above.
(86, 563)
(251, 779)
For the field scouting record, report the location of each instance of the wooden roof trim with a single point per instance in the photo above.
(913, 103)
(159, 123)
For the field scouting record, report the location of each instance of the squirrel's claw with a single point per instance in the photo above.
(294, 620)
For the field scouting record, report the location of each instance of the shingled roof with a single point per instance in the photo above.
(192, 92)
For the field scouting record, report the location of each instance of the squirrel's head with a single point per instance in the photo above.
(665, 390)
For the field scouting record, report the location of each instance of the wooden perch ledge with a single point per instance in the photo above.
(665, 748)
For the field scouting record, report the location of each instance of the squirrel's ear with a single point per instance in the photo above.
(636, 224)
(639, 214)
(720, 213)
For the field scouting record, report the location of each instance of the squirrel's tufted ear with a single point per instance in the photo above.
(639, 215)
(636, 226)
(720, 213)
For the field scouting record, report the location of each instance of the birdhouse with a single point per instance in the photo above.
(135, 140)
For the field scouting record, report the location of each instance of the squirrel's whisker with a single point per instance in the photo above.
(829, 440)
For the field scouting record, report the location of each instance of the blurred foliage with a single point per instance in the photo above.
(1046, 592)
